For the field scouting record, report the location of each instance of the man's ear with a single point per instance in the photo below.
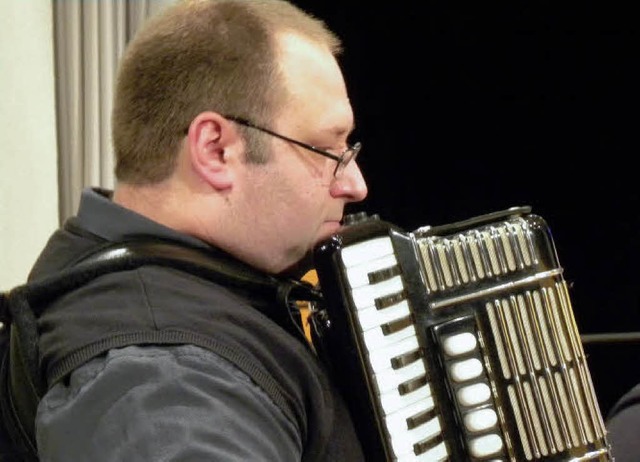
(211, 140)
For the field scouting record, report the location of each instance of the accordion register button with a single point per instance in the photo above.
(474, 394)
(458, 344)
(485, 445)
(465, 370)
(480, 420)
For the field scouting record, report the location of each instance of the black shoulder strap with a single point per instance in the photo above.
(20, 308)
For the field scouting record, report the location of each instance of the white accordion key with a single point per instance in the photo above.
(382, 359)
(404, 438)
(365, 251)
(390, 379)
(372, 317)
(365, 296)
(437, 454)
(375, 338)
(393, 401)
(358, 276)
(403, 443)
(397, 422)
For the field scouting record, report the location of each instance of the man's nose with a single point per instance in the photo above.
(351, 184)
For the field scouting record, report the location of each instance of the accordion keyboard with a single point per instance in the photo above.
(400, 375)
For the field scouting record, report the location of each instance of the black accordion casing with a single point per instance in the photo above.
(457, 342)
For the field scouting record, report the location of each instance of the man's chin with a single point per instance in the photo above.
(305, 264)
(300, 268)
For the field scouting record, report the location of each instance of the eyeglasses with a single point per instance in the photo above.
(342, 160)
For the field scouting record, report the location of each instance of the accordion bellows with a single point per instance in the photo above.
(457, 342)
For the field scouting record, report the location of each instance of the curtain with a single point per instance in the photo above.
(89, 38)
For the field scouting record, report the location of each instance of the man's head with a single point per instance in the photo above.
(201, 55)
(184, 161)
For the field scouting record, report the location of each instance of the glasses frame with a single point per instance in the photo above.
(342, 160)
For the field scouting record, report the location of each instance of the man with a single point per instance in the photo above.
(230, 127)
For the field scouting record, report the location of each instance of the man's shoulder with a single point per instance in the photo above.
(161, 397)
(133, 366)
(136, 363)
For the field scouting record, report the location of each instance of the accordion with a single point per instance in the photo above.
(456, 342)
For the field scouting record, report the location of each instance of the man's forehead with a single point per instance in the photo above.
(315, 84)
(303, 61)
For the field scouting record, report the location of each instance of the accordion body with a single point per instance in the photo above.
(457, 342)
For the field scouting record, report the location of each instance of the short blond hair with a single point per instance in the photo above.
(200, 55)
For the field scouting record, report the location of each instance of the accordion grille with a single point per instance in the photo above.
(476, 255)
(542, 362)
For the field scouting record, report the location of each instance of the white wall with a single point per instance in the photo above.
(28, 152)
(28, 146)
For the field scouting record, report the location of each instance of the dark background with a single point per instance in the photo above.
(465, 108)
